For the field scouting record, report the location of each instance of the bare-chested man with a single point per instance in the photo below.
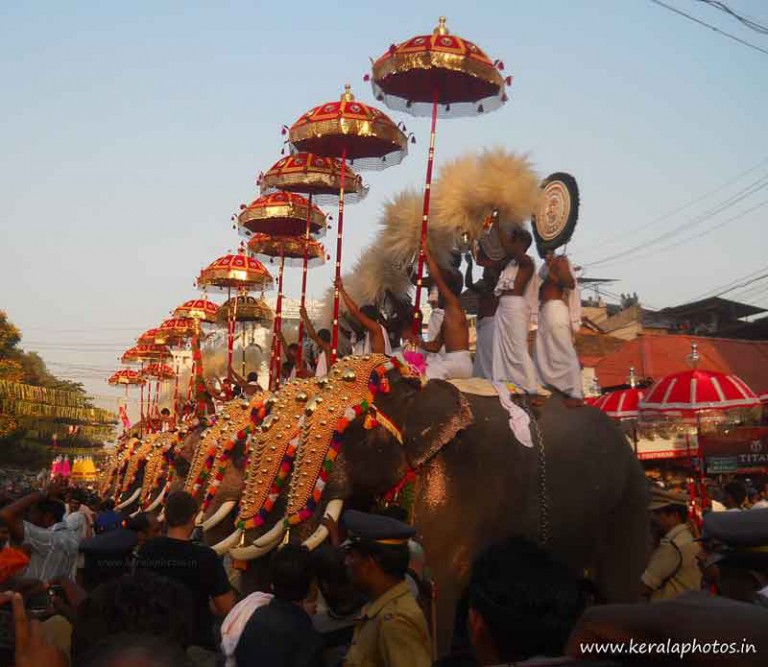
(454, 332)
(556, 360)
(376, 338)
(320, 338)
(517, 294)
(486, 316)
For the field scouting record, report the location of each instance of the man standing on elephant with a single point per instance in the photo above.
(560, 316)
(456, 362)
(515, 313)
(392, 630)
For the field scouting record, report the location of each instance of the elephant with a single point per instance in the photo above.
(130, 481)
(223, 485)
(579, 490)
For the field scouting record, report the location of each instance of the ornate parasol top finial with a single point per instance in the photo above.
(632, 377)
(347, 95)
(693, 357)
(441, 28)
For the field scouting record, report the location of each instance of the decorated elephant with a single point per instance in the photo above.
(218, 481)
(353, 437)
(131, 475)
(158, 470)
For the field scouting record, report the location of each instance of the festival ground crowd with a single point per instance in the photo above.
(88, 586)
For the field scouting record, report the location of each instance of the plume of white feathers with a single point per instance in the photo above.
(467, 191)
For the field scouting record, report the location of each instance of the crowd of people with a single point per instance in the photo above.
(86, 585)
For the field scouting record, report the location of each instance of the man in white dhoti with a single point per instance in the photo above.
(320, 338)
(456, 362)
(560, 317)
(376, 337)
(486, 317)
(515, 313)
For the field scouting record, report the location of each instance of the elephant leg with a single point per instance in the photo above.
(625, 543)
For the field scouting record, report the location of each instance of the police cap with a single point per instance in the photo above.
(375, 528)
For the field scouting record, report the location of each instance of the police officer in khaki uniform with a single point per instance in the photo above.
(673, 567)
(392, 630)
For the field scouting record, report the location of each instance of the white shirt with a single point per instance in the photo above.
(78, 523)
(54, 551)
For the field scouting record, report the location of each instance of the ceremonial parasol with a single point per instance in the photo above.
(282, 213)
(235, 271)
(437, 75)
(151, 337)
(140, 354)
(321, 178)
(620, 404)
(697, 394)
(238, 271)
(291, 249)
(199, 311)
(699, 397)
(348, 130)
(245, 308)
(126, 377)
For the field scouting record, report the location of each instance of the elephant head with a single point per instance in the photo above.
(135, 461)
(326, 470)
(158, 470)
(223, 485)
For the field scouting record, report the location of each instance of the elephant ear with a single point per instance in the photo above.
(435, 415)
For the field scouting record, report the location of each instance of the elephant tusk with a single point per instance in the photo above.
(227, 543)
(161, 516)
(274, 534)
(333, 510)
(219, 515)
(252, 552)
(127, 503)
(200, 518)
(136, 513)
(156, 502)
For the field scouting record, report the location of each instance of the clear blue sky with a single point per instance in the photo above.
(131, 132)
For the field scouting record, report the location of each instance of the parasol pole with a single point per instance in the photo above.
(177, 370)
(197, 371)
(425, 215)
(141, 405)
(230, 331)
(278, 326)
(339, 232)
(304, 279)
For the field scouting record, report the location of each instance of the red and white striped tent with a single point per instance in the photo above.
(686, 394)
(620, 404)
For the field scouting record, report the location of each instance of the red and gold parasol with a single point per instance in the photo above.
(438, 74)
(200, 310)
(620, 404)
(126, 377)
(298, 249)
(151, 337)
(322, 178)
(176, 330)
(282, 213)
(291, 248)
(247, 310)
(348, 130)
(235, 271)
(159, 371)
(317, 177)
(141, 353)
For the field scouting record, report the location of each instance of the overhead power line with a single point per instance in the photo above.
(734, 199)
(732, 285)
(749, 23)
(697, 200)
(711, 27)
